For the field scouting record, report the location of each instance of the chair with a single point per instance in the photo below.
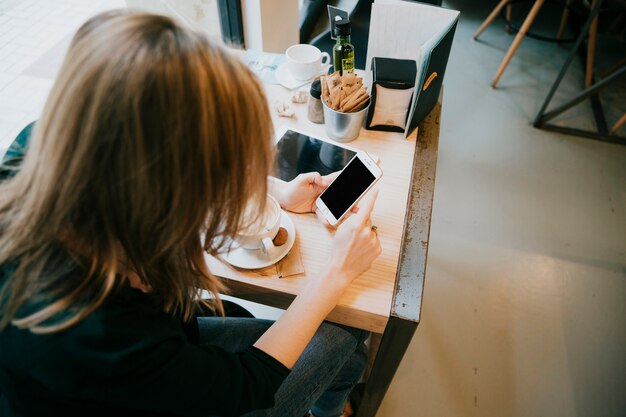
(593, 32)
(621, 122)
(518, 38)
(617, 6)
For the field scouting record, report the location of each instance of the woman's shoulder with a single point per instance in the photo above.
(128, 320)
(122, 334)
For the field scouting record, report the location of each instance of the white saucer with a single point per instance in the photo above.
(255, 259)
(284, 77)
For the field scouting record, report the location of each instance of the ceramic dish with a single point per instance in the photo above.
(255, 259)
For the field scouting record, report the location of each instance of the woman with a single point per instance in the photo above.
(153, 140)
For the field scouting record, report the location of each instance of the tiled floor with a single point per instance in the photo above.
(525, 295)
(28, 30)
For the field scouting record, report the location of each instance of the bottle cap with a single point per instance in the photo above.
(342, 27)
(316, 89)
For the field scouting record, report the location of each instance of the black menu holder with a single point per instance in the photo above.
(430, 84)
(419, 32)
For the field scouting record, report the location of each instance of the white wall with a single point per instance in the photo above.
(270, 25)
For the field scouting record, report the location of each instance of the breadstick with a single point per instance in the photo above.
(356, 104)
(334, 97)
(349, 79)
(350, 91)
(355, 97)
(324, 86)
(359, 105)
(333, 80)
(330, 96)
(343, 96)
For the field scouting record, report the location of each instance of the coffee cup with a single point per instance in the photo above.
(306, 61)
(259, 230)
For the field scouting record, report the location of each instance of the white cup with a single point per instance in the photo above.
(259, 234)
(306, 61)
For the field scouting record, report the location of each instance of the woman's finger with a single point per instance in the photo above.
(367, 206)
(327, 179)
(308, 178)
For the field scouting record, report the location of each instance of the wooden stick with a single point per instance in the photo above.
(518, 40)
(564, 19)
(618, 125)
(591, 48)
(509, 13)
(490, 18)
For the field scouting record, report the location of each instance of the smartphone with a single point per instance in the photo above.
(356, 179)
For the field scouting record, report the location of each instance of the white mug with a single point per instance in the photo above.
(306, 61)
(259, 234)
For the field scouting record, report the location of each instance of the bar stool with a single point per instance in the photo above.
(593, 30)
(617, 126)
(518, 38)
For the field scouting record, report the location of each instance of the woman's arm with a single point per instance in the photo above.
(355, 247)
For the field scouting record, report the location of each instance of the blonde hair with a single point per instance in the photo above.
(152, 141)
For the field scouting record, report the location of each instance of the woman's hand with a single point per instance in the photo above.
(356, 245)
(354, 249)
(299, 194)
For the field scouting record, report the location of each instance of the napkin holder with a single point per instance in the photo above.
(393, 85)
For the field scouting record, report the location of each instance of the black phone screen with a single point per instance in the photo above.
(347, 188)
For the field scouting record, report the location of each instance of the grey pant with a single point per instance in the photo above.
(321, 379)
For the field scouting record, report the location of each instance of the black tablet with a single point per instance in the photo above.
(300, 153)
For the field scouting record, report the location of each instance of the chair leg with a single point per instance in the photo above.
(591, 49)
(518, 40)
(621, 122)
(508, 14)
(612, 68)
(564, 19)
(490, 18)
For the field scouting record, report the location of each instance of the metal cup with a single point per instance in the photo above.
(344, 127)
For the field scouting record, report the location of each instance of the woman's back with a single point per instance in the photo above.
(129, 358)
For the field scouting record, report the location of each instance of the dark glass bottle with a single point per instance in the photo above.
(343, 51)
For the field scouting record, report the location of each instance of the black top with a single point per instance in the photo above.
(130, 358)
